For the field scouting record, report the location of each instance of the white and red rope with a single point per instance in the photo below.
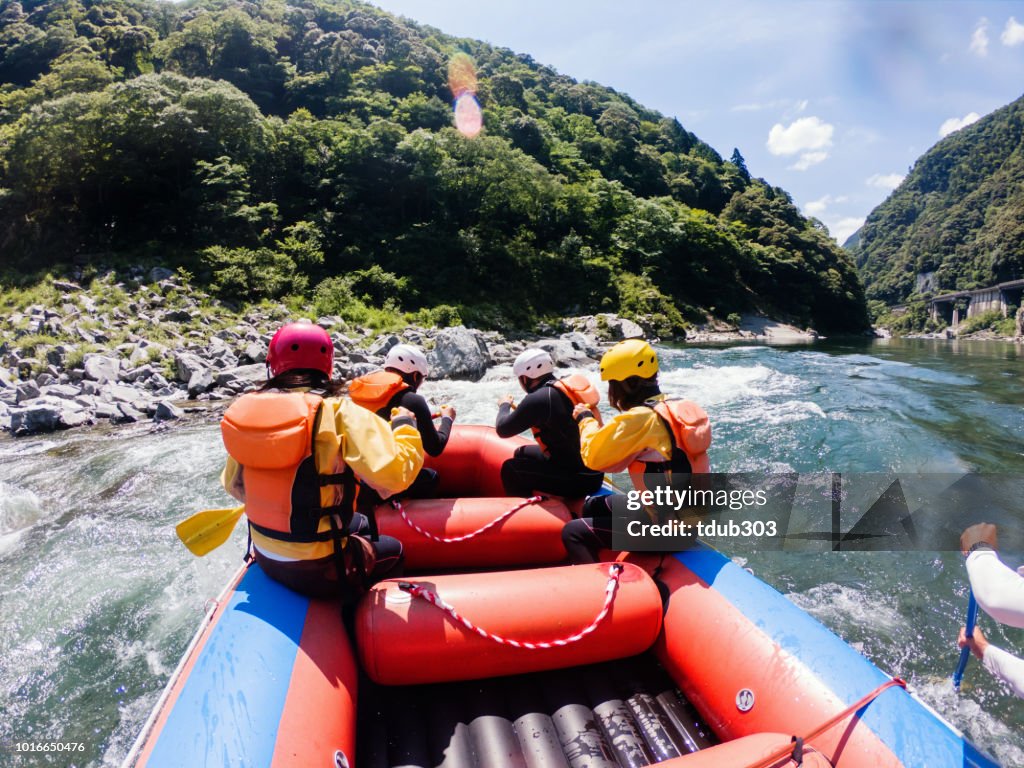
(436, 600)
(451, 539)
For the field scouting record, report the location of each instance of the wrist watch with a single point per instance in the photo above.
(980, 545)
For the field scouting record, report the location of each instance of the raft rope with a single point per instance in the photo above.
(795, 750)
(615, 572)
(451, 539)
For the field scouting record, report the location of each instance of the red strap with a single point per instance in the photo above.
(451, 539)
(853, 708)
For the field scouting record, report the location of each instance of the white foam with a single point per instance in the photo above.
(840, 605)
(19, 508)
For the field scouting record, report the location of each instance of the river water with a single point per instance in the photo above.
(98, 598)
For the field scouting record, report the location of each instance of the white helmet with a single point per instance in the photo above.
(533, 363)
(407, 359)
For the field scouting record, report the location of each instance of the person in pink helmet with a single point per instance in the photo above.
(297, 453)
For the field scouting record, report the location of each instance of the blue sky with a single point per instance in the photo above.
(832, 100)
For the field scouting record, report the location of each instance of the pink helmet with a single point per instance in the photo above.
(300, 345)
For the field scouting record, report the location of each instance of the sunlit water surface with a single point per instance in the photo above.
(98, 598)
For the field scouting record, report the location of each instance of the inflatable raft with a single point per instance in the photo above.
(684, 661)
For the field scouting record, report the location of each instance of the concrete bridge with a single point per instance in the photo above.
(1005, 298)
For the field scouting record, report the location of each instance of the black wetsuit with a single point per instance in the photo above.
(434, 439)
(554, 465)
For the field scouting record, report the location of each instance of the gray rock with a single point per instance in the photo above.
(187, 364)
(119, 393)
(243, 377)
(564, 353)
(254, 352)
(199, 382)
(383, 345)
(167, 411)
(158, 274)
(142, 373)
(586, 344)
(459, 353)
(127, 414)
(45, 378)
(101, 368)
(621, 328)
(359, 369)
(178, 316)
(46, 417)
(27, 390)
(62, 285)
(63, 391)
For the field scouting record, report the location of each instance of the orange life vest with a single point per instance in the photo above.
(690, 431)
(375, 390)
(271, 434)
(579, 389)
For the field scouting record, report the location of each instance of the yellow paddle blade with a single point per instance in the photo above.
(205, 531)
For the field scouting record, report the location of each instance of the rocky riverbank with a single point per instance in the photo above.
(147, 348)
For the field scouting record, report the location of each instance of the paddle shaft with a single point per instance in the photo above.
(965, 652)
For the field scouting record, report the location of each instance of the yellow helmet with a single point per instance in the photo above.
(632, 357)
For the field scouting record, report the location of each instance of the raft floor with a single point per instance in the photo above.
(622, 713)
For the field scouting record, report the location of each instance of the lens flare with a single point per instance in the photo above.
(469, 118)
(461, 75)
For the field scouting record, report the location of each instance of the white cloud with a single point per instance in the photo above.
(808, 159)
(979, 40)
(956, 123)
(801, 136)
(1013, 32)
(843, 228)
(885, 180)
(819, 206)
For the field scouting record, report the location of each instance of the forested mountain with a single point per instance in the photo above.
(279, 148)
(959, 213)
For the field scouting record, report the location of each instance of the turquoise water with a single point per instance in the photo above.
(98, 599)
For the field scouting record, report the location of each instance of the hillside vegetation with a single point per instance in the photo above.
(959, 213)
(304, 150)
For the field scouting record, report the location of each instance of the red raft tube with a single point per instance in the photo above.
(686, 661)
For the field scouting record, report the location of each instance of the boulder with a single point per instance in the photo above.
(167, 411)
(101, 368)
(383, 345)
(254, 352)
(62, 391)
(27, 390)
(47, 417)
(187, 364)
(200, 382)
(127, 414)
(584, 343)
(564, 353)
(242, 378)
(459, 353)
